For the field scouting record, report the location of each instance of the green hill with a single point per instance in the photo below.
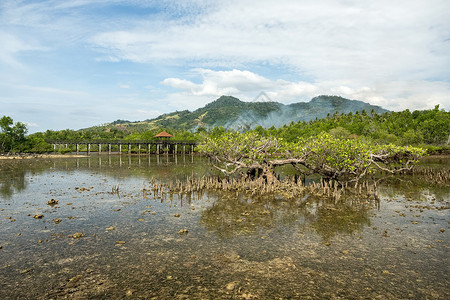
(230, 112)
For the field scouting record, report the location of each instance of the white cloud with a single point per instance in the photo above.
(124, 86)
(418, 94)
(246, 85)
(221, 83)
(180, 84)
(326, 39)
(350, 48)
(11, 46)
(63, 55)
(30, 124)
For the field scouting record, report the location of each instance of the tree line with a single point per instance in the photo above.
(428, 129)
(420, 127)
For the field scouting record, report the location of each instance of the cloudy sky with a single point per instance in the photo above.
(78, 63)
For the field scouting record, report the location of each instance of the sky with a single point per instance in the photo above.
(71, 64)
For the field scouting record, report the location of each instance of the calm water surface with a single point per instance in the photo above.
(215, 245)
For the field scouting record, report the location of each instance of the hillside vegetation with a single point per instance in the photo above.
(233, 113)
(425, 128)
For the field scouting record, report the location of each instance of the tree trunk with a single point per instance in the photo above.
(268, 176)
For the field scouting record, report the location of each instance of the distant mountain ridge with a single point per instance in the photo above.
(233, 113)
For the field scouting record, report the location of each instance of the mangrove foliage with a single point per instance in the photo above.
(325, 155)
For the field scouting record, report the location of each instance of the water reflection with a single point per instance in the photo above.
(12, 181)
(232, 215)
(13, 173)
(414, 188)
(235, 246)
(329, 220)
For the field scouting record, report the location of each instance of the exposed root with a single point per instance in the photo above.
(289, 188)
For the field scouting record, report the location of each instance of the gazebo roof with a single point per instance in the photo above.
(163, 134)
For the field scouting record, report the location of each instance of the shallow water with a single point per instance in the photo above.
(211, 245)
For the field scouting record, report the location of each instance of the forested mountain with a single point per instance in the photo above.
(232, 113)
(426, 128)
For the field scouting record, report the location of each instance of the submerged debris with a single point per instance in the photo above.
(52, 202)
(74, 280)
(231, 286)
(76, 235)
(183, 232)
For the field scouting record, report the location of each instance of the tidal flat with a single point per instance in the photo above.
(93, 228)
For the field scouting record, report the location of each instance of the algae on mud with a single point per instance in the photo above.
(234, 246)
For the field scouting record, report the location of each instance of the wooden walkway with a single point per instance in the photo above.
(116, 146)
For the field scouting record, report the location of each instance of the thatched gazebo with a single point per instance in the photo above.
(163, 135)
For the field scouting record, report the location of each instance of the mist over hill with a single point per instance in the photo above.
(232, 113)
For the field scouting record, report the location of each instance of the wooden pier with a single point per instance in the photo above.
(124, 146)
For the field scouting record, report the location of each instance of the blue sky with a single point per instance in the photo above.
(78, 63)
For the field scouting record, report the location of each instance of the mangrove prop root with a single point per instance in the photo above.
(289, 188)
